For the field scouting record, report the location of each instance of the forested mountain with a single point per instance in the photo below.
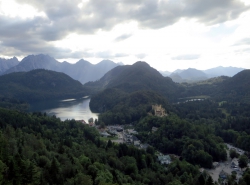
(82, 71)
(232, 89)
(40, 84)
(6, 64)
(236, 88)
(128, 92)
(139, 76)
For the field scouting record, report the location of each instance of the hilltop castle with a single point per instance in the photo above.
(159, 110)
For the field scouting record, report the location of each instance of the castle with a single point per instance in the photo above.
(159, 110)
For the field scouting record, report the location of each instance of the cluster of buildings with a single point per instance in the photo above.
(128, 136)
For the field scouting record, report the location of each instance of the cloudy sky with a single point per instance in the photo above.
(167, 34)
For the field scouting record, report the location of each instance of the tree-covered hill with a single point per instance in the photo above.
(139, 76)
(232, 89)
(118, 107)
(128, 92)
(40, 84)
(236, 88)
(131, 90)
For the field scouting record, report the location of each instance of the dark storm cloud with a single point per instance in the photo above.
(104, 14)
(186, 57)
(64, 17)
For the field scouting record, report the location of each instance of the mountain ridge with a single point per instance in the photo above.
(82, 70)
(6, 64)
(192, 75)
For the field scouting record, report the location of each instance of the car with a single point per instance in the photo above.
(237, 169)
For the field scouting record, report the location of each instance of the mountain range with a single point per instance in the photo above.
(118, 84)
(82, 71)
(194, 75)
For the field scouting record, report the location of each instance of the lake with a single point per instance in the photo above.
(77, 109)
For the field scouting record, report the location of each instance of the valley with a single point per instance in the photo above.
(139, 120)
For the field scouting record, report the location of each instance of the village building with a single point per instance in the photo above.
(105, 134)
(144, 146)
(223, 175)
(164, 159)
(234, 163)
(154, 129)
(216, 164)
(159, 110)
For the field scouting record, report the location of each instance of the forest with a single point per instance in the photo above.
(40, 149)
(37, 149)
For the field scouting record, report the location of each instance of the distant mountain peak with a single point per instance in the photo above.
(106, 61)
(6, 64)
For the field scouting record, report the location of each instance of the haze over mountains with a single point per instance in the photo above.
(82, 71)
(194, 75)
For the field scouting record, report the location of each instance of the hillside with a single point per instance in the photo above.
(231, 89)
(139, 76)
(127, 92)
(82, 71)
(236, 88)
(119, 108)
(40, 84)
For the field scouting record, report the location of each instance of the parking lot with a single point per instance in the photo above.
(226, 166)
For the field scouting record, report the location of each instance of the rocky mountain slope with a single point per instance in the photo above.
(82, 71)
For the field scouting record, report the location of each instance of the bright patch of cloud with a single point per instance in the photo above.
(12, 9)
(186, 57)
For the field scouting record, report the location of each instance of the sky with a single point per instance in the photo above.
(167, 34)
